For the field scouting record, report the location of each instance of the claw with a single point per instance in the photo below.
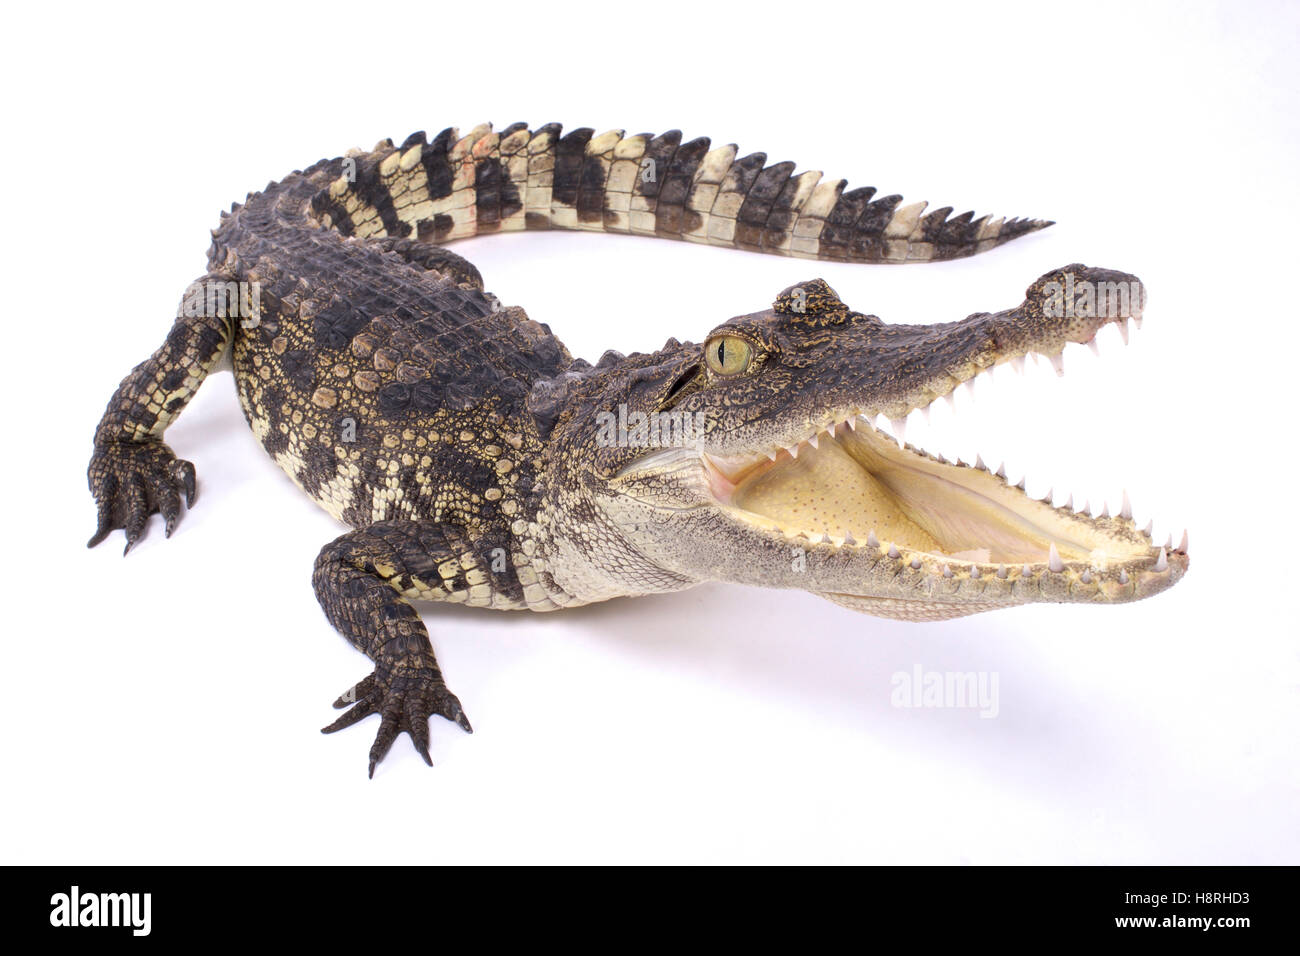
(363, 708)
(183, 473)
(358, 691)
(422, 748)
(417, 725)
(104, 509)
(388, 731)
(137, 511)
(169, 504)
(453, 712)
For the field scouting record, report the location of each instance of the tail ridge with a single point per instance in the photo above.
(453, 187)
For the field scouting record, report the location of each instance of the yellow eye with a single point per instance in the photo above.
(728, 355)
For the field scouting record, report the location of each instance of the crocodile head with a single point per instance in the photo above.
(754, 458)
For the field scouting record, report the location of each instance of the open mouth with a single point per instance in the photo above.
(856, 485)
(850, 486)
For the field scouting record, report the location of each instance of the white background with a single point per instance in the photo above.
(164, 708)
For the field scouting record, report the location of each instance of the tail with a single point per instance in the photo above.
(455, 187)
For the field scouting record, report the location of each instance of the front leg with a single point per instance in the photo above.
(360, 579)
(132, 472)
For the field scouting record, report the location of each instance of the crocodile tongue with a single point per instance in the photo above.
(826, 491)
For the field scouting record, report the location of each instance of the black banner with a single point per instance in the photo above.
(1228, 905)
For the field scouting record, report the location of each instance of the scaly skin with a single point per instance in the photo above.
(464, 445)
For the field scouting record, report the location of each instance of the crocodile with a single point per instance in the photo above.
(478, 462)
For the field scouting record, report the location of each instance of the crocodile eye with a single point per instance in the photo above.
(728, 355)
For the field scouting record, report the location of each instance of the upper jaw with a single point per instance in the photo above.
(921, 364)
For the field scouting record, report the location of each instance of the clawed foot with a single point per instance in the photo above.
(405, 698)
(131, 481)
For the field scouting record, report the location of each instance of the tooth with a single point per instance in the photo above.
(1025, 571)
(813, 441)
(793, 450)
(1002, 571)
(900, 429)
(1126, 509)
(979, 463)
(1087, 507)
(925, 413)
(893, 552)
(853, 423)
(916, 564)
(1147, 530)
(975, 570)
(1182, 545)
(1058, 362)
(826, 538)
(1092, 344)
(1137, 320)
(772, 455)
(1086, 577)
(1123, 330)
(1162, 562)
(970, 385)
(947, 571)
(848, 537)
(1048, 497)
(1021, 484)
(1169, 542)
(1070, 502)
(1054, 558)
(1105, 509)
(1018, 363)
(1002, 471)
(1123, 576)
(872, 540)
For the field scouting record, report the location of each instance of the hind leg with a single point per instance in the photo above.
(132, 472)
(362, 580)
